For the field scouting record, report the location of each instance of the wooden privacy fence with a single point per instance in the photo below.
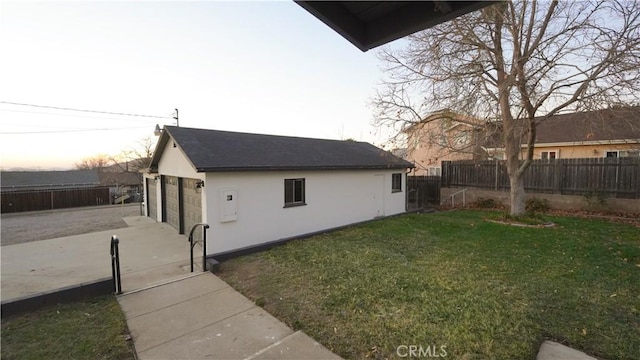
(422, 191)
(612, 177)
(47, 199)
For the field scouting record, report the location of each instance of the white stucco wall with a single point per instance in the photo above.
(158, 196)
(174, 163)
(333, 198)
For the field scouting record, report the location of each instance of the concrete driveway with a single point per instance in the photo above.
(149, 252)
(18, 228)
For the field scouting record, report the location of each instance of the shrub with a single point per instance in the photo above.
(486, 203)
(595, 198)
(537, 205)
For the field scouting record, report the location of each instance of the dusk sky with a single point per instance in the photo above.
(261, 67)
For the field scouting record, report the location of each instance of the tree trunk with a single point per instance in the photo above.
(518, 196)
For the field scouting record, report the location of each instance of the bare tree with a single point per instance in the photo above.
(514, 65)
(136, 157)
(98, 162)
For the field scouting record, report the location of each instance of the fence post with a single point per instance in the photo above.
(497, 173)
(637, 182)
(557, 176)
(445, 175)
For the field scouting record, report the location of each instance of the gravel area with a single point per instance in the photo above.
(41, 225)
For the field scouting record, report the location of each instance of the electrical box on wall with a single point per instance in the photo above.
(229, 202)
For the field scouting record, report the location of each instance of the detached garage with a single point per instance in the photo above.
(254, 189)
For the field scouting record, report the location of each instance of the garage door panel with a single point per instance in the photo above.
(152, 201)
(171, 201)
(192, 206)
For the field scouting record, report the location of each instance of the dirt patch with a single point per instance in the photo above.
(519, 224)
(244, 275)
(34, 226)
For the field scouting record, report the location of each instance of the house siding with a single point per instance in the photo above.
(582, 151)
(333, 198)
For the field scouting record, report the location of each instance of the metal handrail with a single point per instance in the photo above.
(115, 265)
(204, 245)
(453, 200)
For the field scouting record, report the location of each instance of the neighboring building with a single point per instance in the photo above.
(254, 189)
(44, 190)
(123, 186)
(444, 136)
(594, 134)
(45, 180)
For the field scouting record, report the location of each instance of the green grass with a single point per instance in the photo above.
(483, 290)
(92, 329)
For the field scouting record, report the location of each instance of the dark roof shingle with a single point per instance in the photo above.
(213, 150)
(48, 179)
(603, 125)
(600, 126)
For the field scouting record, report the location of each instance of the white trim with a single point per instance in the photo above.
(618, 152)
(579, 143)
(557, 151)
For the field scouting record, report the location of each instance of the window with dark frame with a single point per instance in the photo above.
(294, 192)
(396, 182)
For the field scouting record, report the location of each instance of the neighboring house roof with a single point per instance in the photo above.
(448, 117)
(36, 180)
(402, 153)
(213, 150)
(119, 179)
(609, 126)
(603, 126)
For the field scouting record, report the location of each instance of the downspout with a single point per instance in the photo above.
(406, 190)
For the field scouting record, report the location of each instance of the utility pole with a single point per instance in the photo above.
(177, 120)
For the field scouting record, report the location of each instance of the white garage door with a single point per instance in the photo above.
(152, 201)
(171, 201)
(192, 206)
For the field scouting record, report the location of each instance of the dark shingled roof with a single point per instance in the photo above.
(119, 178)
(600, 126)
(15, 180)
(603, 125)
(213, 150)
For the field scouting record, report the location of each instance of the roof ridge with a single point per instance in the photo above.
(266, 135)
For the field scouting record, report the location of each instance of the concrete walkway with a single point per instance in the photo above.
(201, 317)
(553, 351)
(171, 312)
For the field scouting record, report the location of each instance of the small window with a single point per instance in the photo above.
(434, 171)
(396, 182)
(294, 192)
(549, 155)
(611, 154)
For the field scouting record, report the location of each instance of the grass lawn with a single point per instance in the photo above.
(92, 329)
(480, 289)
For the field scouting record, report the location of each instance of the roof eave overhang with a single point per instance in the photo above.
(160, 146)
(300, 168)
(577, 143)
(396, 23)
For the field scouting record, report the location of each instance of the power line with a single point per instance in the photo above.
(84, 110)
(80, 116)
(67, 131)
